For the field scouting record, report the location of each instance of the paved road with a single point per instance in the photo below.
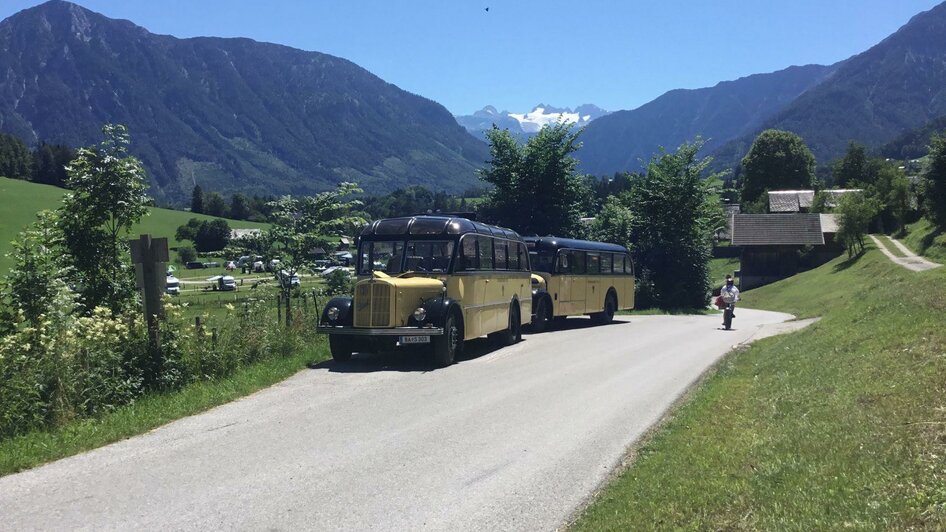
(512, 439)
(910, 260)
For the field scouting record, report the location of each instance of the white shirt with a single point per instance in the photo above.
(730, 293)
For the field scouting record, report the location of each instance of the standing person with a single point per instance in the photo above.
(730, 295)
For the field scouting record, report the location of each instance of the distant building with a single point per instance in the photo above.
(237, 234)
(729, 211)
(788, 201)
(776, 246)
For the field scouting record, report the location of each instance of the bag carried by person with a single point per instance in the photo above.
(720, 304)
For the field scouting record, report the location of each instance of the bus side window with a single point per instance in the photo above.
(500, 247)
(486, 252)
(562, 266)
(594, 263)
(468, 254)
(577, 262)
(606, 263)
(524, 258)
(513, 256)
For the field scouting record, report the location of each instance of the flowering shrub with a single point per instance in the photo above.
(78, 366)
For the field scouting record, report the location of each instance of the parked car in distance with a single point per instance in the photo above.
(287, 280)
(230, 266)
(258, 266)
(225, 283)
(272, 265)
(212, 264)
(172, 285)
(194, 265)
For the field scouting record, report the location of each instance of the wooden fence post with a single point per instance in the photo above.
(150, 256)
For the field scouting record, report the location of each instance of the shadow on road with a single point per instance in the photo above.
(406, 360)
(418, 360)
(577, 323)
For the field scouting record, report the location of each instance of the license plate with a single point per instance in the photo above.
(414, 340)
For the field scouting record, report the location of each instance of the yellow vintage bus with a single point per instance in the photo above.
(434, 282)
(578, 277)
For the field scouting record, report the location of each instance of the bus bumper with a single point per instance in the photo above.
(393, 331)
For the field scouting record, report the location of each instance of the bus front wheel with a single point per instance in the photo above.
(543, 316)
(340, 347)
(447, 345)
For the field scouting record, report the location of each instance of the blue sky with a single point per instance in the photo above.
(615, 54)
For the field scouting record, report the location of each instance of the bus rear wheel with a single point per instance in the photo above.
(513, 332)
(610, 306)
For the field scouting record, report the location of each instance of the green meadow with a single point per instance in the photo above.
(838, 426)
(22, 200)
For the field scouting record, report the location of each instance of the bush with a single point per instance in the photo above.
(339, 282)
(78, 367)
(186, 254)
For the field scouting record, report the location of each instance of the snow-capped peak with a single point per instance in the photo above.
(532, 121)
(538, 117)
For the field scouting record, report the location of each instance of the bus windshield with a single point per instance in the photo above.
(394, 257)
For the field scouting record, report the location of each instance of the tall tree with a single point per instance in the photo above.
(107, 198)
(197, 200)
(854, 213)
(536, 188)
(49, 164)
(614, 223)
(676, 209)
(855, 168)
(934, 182)
(207, 235)
(777, 160)
(300, 224)
(240, 207)
(15, 157)
(214, 204)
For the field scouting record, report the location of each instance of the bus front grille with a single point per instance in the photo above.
(373, 305)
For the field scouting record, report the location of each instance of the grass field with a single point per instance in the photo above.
(923, 239)
(22, 200)
(841, 425)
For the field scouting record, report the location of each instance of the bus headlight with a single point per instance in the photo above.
(420, 314)
(332, 313)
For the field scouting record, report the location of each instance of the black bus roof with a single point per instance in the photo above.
(554, 243)
(433, 225)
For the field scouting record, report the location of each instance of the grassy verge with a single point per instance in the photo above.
(30, 450)
(922, 238)
(841, 425)
(719, 269)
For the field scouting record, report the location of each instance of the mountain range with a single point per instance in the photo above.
(239, 115)
(872, 98)
(625, 140)
(229, 114)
